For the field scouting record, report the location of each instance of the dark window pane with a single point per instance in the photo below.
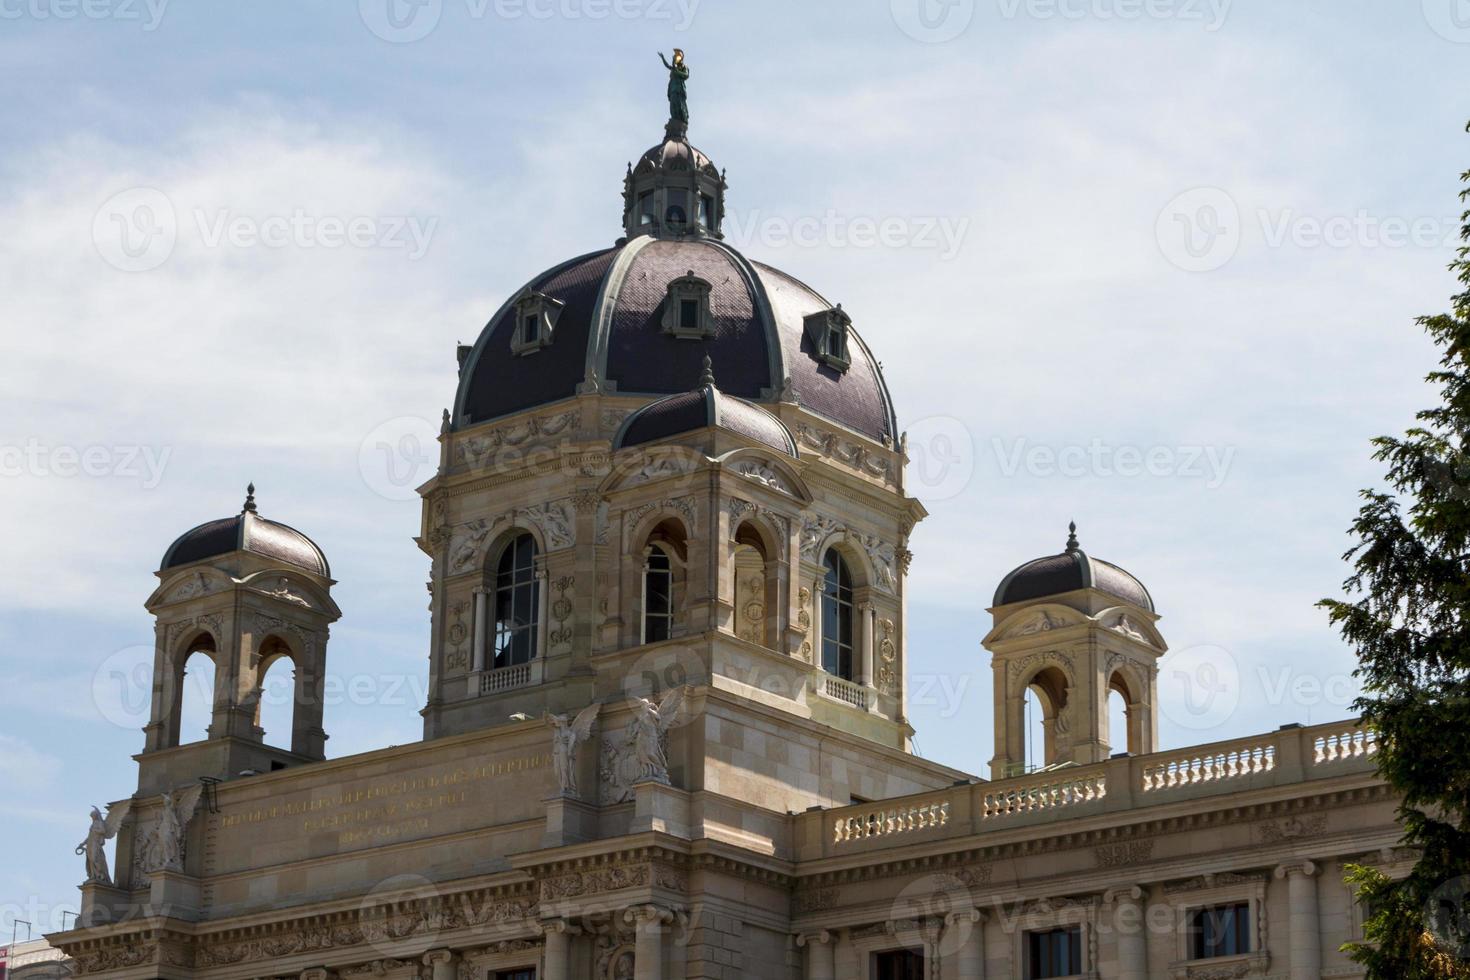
(689, 314)
(1054, 953)
(531, 329)
(837, 628)
(706, 210)
(899, 964)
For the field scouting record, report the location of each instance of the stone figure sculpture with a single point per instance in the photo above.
(566, 736)
(651, 722)
(102, 831)
(166, 845)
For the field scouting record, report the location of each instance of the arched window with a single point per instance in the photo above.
(517, 604)
(275, 707)
(837, 616)
(196, 680)
(658, 596)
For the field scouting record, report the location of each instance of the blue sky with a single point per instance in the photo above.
(1152, 266)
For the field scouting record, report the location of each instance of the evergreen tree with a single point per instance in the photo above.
(1407, 614)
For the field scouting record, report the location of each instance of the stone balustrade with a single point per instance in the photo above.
(1290, 755)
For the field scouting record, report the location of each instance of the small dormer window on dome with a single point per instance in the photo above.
(828, 330)
(686, 308)
(536, 315)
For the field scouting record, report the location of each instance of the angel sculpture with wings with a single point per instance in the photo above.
(102, 831)
(565, 737)
(166, 845)
(651, 722)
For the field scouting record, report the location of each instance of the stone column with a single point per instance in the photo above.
(558, 934)
(648, 943)
(1305, 925)
(543, 608)
(962, 947)
(1129, 906)
(482, 611)
(865, 641)
(819, 965)
(442, 962)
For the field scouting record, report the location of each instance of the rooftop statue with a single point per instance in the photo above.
(678, 99)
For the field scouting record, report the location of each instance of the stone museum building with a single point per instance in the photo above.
(665, 734)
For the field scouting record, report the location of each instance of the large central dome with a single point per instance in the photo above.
(609, 321)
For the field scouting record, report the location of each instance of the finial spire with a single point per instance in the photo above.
(249, 507)
(1072, 537)
(707, 377)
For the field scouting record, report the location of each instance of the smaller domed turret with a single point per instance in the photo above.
(1069, 571)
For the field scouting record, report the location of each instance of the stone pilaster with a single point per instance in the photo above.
(1129, 926)
(441, 962)
(648, 943)
(819, 961)
(962, 946)
(1305, 941)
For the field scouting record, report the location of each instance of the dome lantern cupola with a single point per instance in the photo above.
(674, 190)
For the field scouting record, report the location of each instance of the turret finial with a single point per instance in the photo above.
(1072, 537)
(249, 507)
(708, 375)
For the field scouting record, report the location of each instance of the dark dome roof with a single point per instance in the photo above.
(246, 531)
(703, 407)
(610, 324)
(1071, 570)
(674, 154)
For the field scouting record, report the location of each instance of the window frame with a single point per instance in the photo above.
(1047, 916)
(1207, 891)
(831, 336)
(827, 599)
(668, 573)
(508, 586)
(545, 310)
(688, 287)
(875, 962)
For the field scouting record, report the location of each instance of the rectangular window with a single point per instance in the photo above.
(899, 964)
(645, 208)
(1054, 953)
(688, 314)
(1219, 930)
(706, 211)
(527, 973)
(530, 328)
